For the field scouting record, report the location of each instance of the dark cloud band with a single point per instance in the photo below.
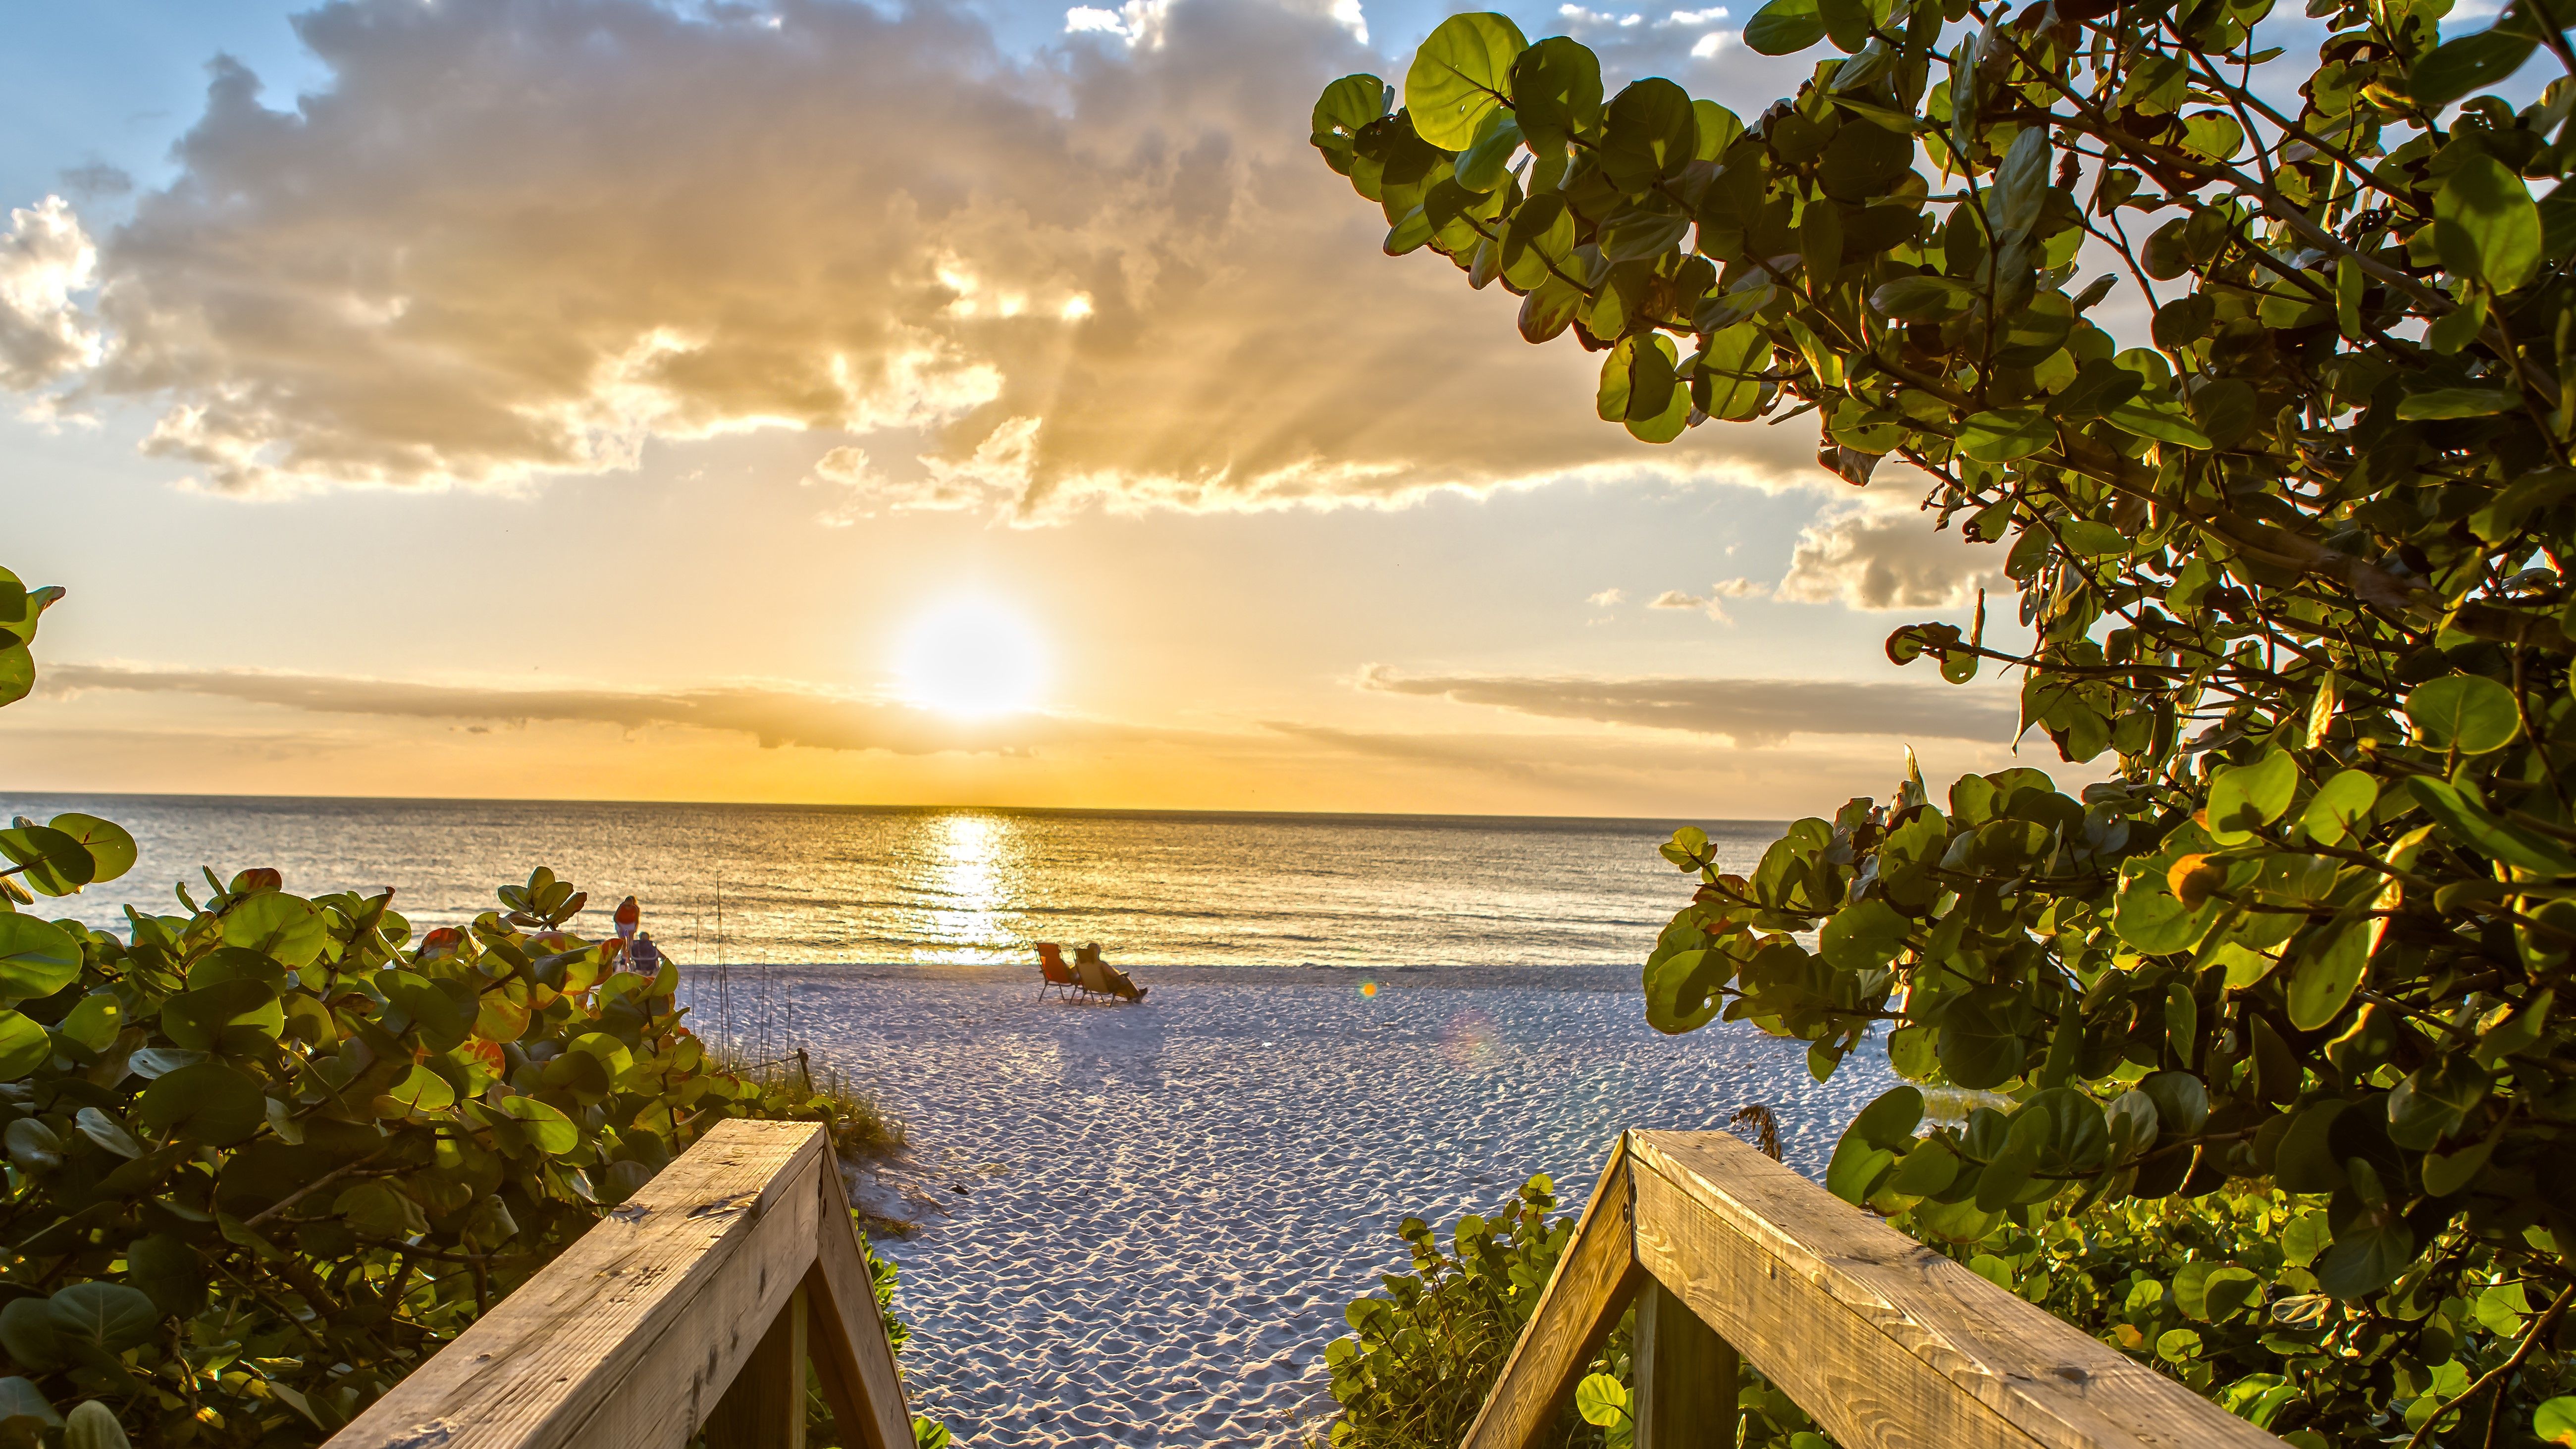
(1748, 711)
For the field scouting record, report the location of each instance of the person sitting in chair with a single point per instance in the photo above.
(1100, 976)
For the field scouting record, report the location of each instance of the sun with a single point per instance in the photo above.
(973, 659)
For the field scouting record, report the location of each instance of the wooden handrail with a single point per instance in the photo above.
(1886, 1343)
(694, 1304)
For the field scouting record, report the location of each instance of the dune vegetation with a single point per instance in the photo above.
(266, 1154)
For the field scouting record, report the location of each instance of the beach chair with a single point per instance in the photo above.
(1054, 975)
(1103, 979)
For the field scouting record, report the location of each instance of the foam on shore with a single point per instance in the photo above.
(1140, 1224)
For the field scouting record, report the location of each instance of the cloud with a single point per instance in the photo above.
(96, 179)
(45, 257)
(507, 239)
(1714, 601)
(1878, 558)
(1752, 712)
(774, 717)
(1607, 598)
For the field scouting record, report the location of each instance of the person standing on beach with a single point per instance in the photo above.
(628, 916)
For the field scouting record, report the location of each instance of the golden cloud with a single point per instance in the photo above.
(509, 239)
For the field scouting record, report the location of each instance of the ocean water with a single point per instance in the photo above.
(822, 885)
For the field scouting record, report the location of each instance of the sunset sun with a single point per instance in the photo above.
(971, 658)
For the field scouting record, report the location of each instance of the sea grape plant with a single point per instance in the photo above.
(2266, 372)
(1421, 1357)
(266, 1154)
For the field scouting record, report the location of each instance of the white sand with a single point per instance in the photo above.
(1149, 1218)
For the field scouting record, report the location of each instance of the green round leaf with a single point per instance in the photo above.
(24, 1046)
(92, 1425)
(37, 958)
(1459, 75)
(1784, 27)
(2469, 63)
(209, 1103)
(2486, 224)
(2005, 434)
(2555, 1420)
(1556, 90)
(52, 862)
(110, 847)
(551, 1131)
(1650, 131)
(2245, 797)
(2467, 712)
(1345, 106)
(108, 1316)
(1602, 1400)
(2340, 810)
(287, 929)
(2332, 961)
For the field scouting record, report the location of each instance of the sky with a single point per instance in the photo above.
(956, 404)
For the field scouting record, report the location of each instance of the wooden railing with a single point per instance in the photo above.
(1887, 1344)
(695, 1304)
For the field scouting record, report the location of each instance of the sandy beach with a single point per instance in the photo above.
(1139, 1225)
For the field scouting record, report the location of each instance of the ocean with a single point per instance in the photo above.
(815, 885)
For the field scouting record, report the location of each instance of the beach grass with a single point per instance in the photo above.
(860, 1125)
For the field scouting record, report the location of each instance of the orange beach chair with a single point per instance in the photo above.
(1054, 975)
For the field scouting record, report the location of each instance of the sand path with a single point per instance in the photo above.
(1149, 1218)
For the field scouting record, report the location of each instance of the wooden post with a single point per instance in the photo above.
(1686, 1376)
(765, 1407)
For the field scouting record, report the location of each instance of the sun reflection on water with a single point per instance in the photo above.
(972, 891)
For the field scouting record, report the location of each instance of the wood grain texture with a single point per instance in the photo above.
(848, 1337)
(1584, 1298)
(1887, 1343)
(764, 1406)
(1685, 1376)
(628, 1339)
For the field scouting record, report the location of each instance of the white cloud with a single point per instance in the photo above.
(1708, 46)
(1138, 22)
(1606, 598)
(516, 238)
(45, 258)
(1871, 557)
(1713, 602)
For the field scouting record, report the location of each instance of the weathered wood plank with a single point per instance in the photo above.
(1583, 1301)
(851, 1357)
(1685, 1376)
(628, 1339)
(764, 1407)
(1887, 1343)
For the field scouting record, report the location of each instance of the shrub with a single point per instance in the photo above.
(1420, 1360)
(2292, 576)
(267, 1154)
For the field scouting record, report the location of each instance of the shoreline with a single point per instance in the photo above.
(1621, 978)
